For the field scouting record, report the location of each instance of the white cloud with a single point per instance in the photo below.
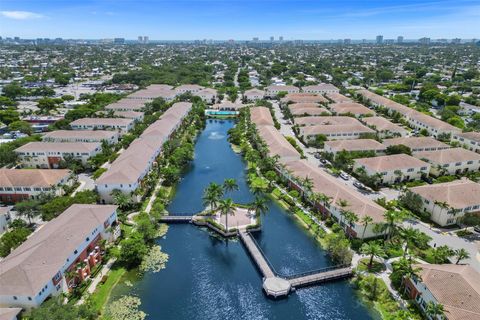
(21, 15)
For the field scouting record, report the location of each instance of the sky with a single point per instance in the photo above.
(240, 19)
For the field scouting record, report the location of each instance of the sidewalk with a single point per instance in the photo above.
(105, 269)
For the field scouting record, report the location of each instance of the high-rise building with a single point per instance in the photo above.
(400, 39)
(347, 41)
(145, 39)
(140, 39)
(456, 41)
(379, 39)
(280, 38)
(272, 38)
(424, 40)
(255, 39)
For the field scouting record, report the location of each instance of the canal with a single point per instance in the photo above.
(209, 278)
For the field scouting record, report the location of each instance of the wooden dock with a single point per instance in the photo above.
(320, 276)
(176, 219)
(256, 255)
(276, 285)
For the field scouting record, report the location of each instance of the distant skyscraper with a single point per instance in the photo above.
(272, 38)
(255, 39)
(347, 41)
(140, 39)
(379, 39)
(145, 39)
(424, 40)
(456, 41)
(400, 39)
(280, 38)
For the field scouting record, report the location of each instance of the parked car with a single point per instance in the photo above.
(323, 161)
(344, 176)
(476, 229)
(358, 185)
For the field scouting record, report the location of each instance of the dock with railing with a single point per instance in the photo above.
(277, 285)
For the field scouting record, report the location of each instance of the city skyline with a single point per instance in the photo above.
(240, 20)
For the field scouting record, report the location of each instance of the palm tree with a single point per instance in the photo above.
(212, 195)
(366, 220)
(307, 185)
(409, 235)
(461, 254)
(121, 199)
(435, 310)
(392, 217)
(226, 208)
(406, 269)
(230, 185)
(372, 249)
(259, 206)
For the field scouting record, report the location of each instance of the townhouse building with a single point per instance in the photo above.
(448, 202)
(307, 109)
(326, 121)
(417, 144)
(303, 97)
(154, 91)
(341, 198)
(127, 104)
(416, 119)
(194, 89)
(277, 144)
(468, 140)
(208, 95)
(261, 116)
(334, 132)
(393, 168)
(384, 127)
(57, 256)
(321, 88)
(450, 161)
(136, 116)
(120, 125)
(354, 108)
(337, 97)
(365, 145)
(127, 172)
(274, 90)
(254, 95)
(48, 155)
(111, 137)
(22, 184)
(455, 287)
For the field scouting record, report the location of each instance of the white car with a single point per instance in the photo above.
(344, 176)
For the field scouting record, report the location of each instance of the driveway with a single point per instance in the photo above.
(442, 238)
(86, 183)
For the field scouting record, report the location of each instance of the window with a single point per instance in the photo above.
(410, 170)
(29, 298)
(75, 252)
(15, 298)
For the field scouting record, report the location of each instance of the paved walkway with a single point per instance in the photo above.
(105, 269)
(148, 208)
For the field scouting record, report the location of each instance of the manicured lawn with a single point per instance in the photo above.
(100, 297)
(376, 266)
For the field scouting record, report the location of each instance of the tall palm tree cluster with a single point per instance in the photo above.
(213, 199)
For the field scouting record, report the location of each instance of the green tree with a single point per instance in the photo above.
(259, 206)
(212, 195)
(366, 220)
(226, 208)
(12, 239)
(373, 250)
(55, 309)
(21, 126)
(230, 185)
(461, 254)
(28, 209)
(435, 310)
(133, 250)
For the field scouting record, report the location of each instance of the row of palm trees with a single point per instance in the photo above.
(213, 198)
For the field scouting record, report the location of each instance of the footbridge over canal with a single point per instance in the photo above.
(277, 285)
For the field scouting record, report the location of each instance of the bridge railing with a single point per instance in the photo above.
(316, 271)
(270, 265)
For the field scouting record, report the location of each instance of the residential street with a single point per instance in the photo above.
(454, 242)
